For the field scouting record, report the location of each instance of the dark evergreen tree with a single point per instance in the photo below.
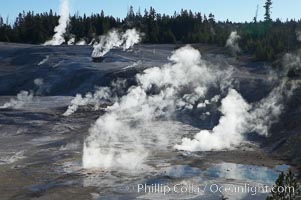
(286, 187)
(268, 6)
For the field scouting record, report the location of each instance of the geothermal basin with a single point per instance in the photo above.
(130, 127)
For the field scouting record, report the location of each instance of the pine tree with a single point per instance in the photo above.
(267, 6)
(286, 187)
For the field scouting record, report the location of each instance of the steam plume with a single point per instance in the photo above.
(240, 118)
(118, 139)
(39, 82)
(102, 94)
(267, 111)
(71, 41)
(232, 42)
(22, 99)
(58, 37)
(81, 42)
(115, 39)
(229, 130)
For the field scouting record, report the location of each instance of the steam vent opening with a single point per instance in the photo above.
(97, 59)
(190, 100)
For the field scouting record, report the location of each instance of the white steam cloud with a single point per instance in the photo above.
(118, 139)
(71, 41)
(232, 42)
(240, 118)
(131, 37)
(23, 98)
(102, 94)
(121, 138)
(115, 39)
(58, 37)
(292, 63)
(267, 111)
(81, 42)
(227, 133)
(39, 82)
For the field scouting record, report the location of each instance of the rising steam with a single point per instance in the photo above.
(58, 37)
(118, 139)
(100, 96)
(81, 42)
(240, 118)
(23, 98)
(71, 41)
(228, 132)
(267, 111)
(116, 39)
(232, 43)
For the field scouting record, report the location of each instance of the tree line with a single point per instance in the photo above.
(264, 40)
